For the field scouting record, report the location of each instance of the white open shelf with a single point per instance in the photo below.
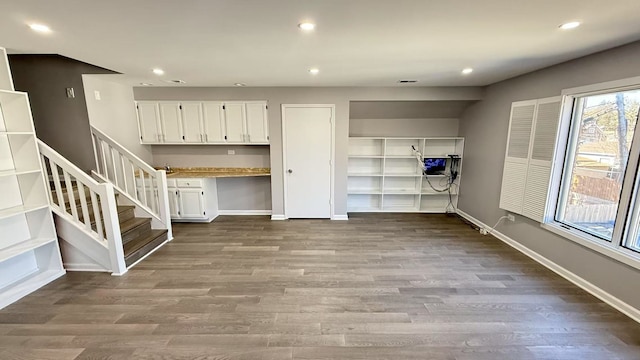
(385, 176)
(15, 113)
(29, 252)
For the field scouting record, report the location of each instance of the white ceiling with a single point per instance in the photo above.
(356, 42)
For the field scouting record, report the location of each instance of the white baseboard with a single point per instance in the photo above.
(618, 304)
(88, 267)
(244, 212)
(340, 217)
(278, 217)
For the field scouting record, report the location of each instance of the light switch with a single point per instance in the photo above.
(96, 94)
(70, 93)
(231, 152)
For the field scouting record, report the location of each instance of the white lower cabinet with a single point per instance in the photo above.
(174, 206)
(192, 203)
(193, 200)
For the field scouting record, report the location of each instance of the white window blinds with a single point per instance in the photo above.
(533, 129)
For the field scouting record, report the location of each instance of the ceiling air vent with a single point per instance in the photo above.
(407, 81)
(176, 81)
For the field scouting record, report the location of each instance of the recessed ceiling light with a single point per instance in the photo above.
(240, 84)
(146, 84)
(307, 26)
(314, 71)
(570, 25)
(41, 28)
(158, 71)
(467, 71)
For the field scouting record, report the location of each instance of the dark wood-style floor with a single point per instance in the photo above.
(387, 286)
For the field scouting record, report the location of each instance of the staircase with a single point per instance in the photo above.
(138, 239)
(103, 227)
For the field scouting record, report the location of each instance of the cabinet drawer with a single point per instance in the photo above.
(189, 183)
(171, 183)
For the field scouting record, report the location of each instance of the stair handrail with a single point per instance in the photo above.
(133, 178)
(103, 202)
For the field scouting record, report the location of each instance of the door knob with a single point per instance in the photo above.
(290, 171)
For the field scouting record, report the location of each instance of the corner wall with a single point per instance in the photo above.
(61, 122)
(485, 125)
(114, 114)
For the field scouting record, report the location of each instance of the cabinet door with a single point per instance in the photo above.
(235, 122)
(214, 124)
(192, 203)
(174, 208)
(171, 121)
(192, 122)
(257, 124)
(148, 122)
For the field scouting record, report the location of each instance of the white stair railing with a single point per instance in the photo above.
(133, 178)
(68, 199)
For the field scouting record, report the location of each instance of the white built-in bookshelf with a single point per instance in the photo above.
(29, 252)
(385, 176)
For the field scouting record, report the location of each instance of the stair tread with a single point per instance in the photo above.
(132, 246)
(131, 224)
(120, 208)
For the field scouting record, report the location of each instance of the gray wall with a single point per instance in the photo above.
(256, 156)
(403, 127)
(284, 95)
(114, 114)
(233, 193)
(244, 193)
(484, 126)
(61, 122)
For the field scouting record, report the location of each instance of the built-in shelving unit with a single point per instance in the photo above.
(384, 175)
(29, 252)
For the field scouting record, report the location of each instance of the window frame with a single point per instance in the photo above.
(629, 205)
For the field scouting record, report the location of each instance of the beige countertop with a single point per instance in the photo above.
(205, 172)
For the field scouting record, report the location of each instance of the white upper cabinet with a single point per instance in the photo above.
(214, 123)
(192, 126)
(148, 122)
(203, 122)
(235, 120)
(257, 125)
(171, 121)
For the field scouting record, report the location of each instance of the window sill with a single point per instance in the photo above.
(621, 254)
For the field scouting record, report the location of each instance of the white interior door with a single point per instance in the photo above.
(307, 136)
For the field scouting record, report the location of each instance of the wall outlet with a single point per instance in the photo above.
(510, 217)
(231, 152)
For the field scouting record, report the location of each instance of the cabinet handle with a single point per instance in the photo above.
(206, 137)
(225, 137)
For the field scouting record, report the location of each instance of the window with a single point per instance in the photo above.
(598, 196)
